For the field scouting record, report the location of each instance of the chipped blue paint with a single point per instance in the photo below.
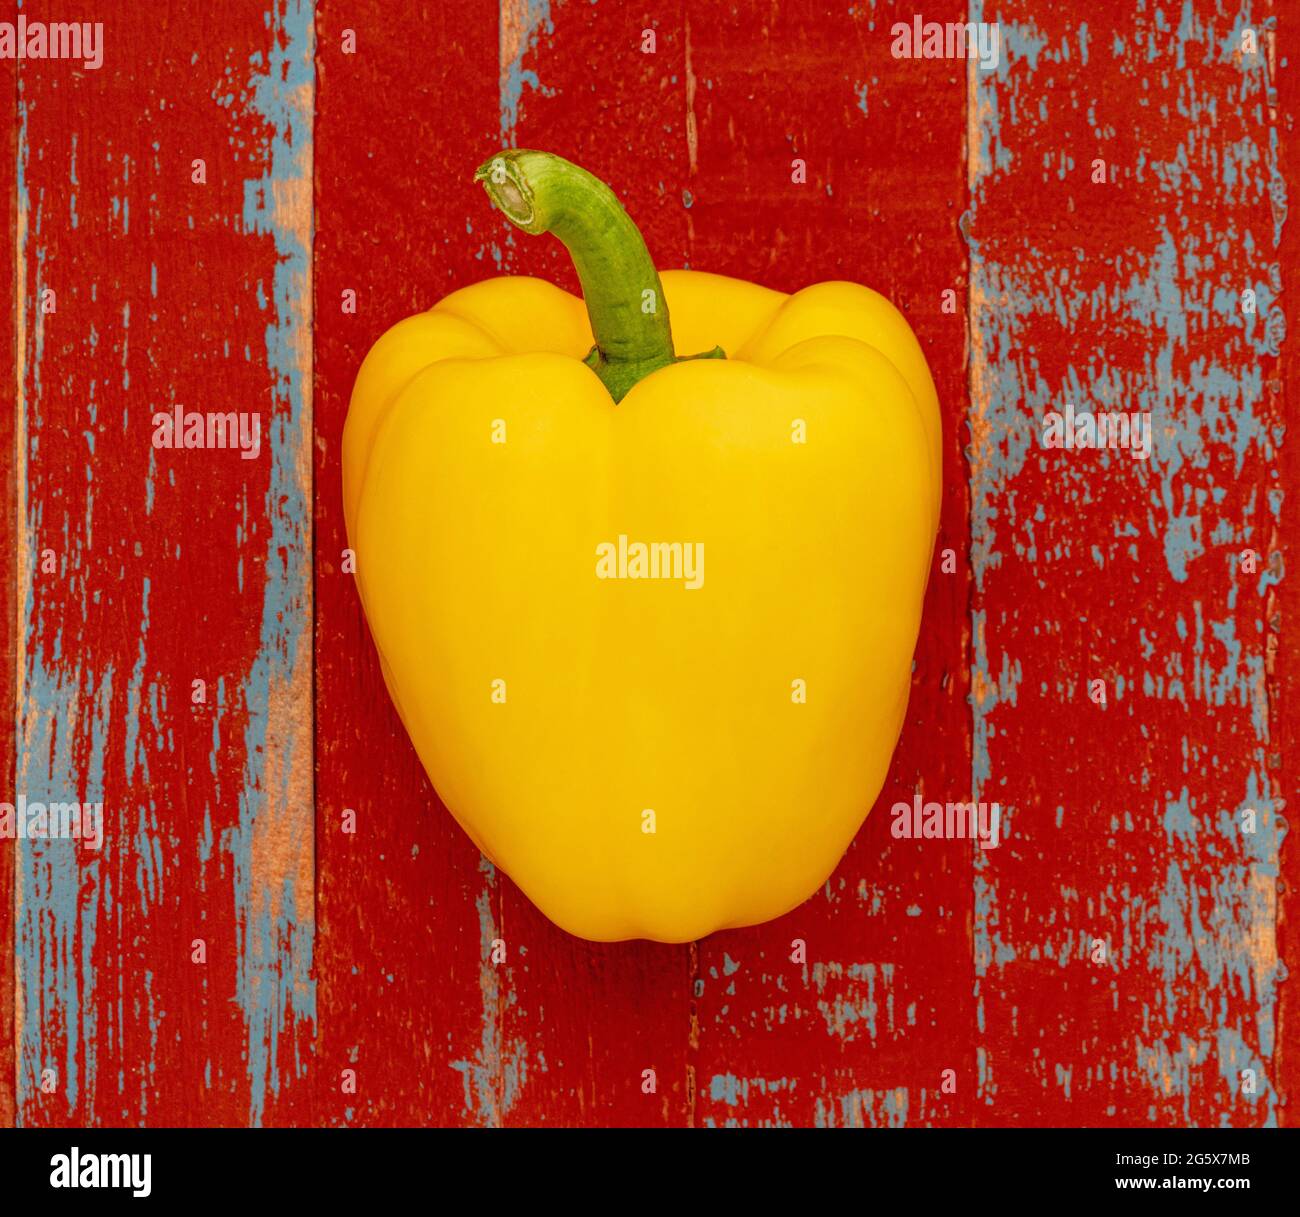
(864, 1109)
(847, 1005)
(494, 1078)
(525, 20)
(59, 881)
(1207, 944)
(134, 691)
(275, 989)
(72, 177)
(734, 1092)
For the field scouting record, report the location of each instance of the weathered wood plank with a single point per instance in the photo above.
(407, 912)
(1282, 610)
(575, 81)
(138, 571)
(408, 909)
(860, 1033)
(1127, 958)
(9, 543)
(142, 570)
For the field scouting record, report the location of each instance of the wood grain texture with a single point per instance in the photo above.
(164, 567)
(404, 905)
(349, 977)
(1282, 664)
(9, 541)
(859, 1034)
(1124, 820)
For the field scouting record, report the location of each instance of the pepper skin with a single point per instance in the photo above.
(646, 758)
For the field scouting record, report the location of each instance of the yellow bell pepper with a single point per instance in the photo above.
(647, 616)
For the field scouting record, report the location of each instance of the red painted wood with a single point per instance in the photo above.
(1124, 820)
(642, 990)
(860, 1033)
(8, 587)
(165, 290)
(1283, 613)
(403, 903)
(408, 911)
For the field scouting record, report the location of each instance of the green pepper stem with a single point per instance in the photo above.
(541, 192)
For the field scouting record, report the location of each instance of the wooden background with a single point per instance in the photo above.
(328, 952)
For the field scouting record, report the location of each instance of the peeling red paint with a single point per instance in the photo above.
(918, 957)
